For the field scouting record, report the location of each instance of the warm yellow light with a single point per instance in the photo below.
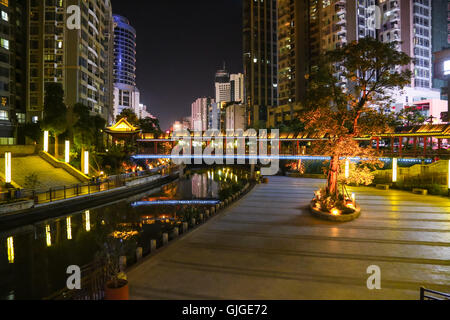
(353, 197)
(347, 169)
(335, 212)
(10, 245)
(45, 141)
(86, 162)
(449, 174)
(69, 228)
(394, 169)
(88, 220)
(67, 153)
(8, 166)
(48, 236)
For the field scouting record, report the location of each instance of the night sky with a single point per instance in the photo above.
(180, 45)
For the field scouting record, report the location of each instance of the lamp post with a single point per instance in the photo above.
(45, 141)
(86, 163)
(8, 165)
(67, 152)
(394, 170)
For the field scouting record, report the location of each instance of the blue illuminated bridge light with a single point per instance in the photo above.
(268, 157)
(174, 203)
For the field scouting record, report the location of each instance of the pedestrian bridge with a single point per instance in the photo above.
(427, 141)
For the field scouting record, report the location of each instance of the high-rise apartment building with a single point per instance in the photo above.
(306, 30)
(222, 86)
(200, 112)
(13, 57)
(80, 59)
(237, 87)
(440, 18)
(260, 59)
(410, 23)
(126, 94)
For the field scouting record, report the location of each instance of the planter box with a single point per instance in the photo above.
(420, 191)
(341, 218)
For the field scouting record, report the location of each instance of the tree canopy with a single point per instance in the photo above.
(349, 95)
(55, 112)
(87, 128)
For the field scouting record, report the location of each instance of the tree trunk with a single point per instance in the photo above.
(333, 175)
(56, 146)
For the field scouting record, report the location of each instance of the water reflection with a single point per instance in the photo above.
(34, 258)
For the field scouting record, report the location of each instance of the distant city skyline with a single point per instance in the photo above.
(177, 59)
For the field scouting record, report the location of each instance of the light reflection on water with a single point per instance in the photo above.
(34, 258)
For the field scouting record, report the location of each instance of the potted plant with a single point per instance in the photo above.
(116, 286)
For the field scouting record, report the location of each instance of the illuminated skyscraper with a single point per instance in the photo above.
(260, 59)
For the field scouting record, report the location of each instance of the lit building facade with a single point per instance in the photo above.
(199, 113)
(126, 94)
(235, 117)
(440, 34)
(13, 57)
(80, 59)
(237, 87)
(260, 51)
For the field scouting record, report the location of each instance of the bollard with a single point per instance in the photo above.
(176, 232)
(152, 246)
(122, 263)
(185, 227)
(165, 238)
(138, 253)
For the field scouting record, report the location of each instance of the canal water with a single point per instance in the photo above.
(34, 258)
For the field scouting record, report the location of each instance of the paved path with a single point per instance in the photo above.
(48, 176)
(267, 246)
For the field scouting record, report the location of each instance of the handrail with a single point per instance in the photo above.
(436, 295)
(70, 191)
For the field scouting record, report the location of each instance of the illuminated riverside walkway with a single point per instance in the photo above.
(267, 246)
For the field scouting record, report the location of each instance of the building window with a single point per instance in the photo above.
(5, 16)
(4, 115)
(4, 43)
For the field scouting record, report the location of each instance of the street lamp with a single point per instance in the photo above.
(8, 165)
(67, 153)
(86, 162)
(394, 169)
(45, 141)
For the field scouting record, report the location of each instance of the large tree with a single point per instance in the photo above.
(150, 125)
(87, 128)
(130, 115)
(410, 116)
(55, 112)
(348, 97)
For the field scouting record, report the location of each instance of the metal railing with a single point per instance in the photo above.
(93, 281)
(427, 294)
(40, 196)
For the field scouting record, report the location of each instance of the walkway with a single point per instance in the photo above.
(268, 246)
(48, 176)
